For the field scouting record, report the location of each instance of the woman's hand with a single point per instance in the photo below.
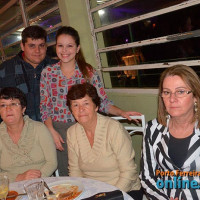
(58, 140)
(114, 110)
(127, 114)
(30, 174)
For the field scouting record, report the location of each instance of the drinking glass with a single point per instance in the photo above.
(35, 190)
(3, 186)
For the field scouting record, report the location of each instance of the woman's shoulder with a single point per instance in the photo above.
(3, 128)
(37, 129)
(91, 71)
(154, 124)
(110, 123)
(36, 124)
(105, 118)
(154, 129)
(51, 68)
(72, 130)
(113, 129)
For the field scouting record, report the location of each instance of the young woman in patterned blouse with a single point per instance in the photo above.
(56, 80)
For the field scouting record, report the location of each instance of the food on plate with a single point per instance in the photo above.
(12, 193)
(66, 191)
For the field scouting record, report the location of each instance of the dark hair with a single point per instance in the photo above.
(79, 91)
(33, 32)
(82, 64)
(13, 93)
(190, 78)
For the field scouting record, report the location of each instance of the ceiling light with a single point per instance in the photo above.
(19, 37)
(101, 12)
(21, 29)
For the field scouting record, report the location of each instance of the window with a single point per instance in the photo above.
(15, 15)
(136, 40)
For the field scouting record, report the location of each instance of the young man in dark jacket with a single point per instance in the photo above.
(24, 70)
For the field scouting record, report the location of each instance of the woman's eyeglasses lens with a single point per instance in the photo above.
(178, 93)
(12, 105)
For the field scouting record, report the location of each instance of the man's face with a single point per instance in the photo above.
(34, 51)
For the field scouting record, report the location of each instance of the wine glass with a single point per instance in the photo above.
(3, 186)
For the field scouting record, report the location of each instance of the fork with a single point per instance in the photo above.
(50, 191)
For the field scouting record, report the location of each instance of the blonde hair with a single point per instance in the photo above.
(189, 76)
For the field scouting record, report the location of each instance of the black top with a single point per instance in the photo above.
(178, 148)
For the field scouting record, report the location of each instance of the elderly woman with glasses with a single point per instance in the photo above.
(171, 145)
(27, 150)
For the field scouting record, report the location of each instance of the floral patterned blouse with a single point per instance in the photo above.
(54, 87)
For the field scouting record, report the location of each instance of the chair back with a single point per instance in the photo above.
(132, 129)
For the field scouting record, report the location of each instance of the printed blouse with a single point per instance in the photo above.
(54, 87)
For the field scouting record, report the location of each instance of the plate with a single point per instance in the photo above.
(65, 187)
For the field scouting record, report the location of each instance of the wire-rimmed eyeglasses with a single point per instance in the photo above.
(178, 93)
(12, 105)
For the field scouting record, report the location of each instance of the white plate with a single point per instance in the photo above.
(68, 182)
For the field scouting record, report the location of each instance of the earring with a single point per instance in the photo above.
(195, 107)
(167, 116)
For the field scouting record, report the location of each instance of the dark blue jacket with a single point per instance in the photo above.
(18, 73)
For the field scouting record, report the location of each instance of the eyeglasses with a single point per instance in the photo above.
(12, 105)
(178, 93)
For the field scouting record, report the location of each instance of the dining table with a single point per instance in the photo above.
(91, 187)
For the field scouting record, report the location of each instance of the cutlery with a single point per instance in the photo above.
(50, 191)
(15, 195)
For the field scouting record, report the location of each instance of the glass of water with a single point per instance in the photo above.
(34, 190)
(4, 183)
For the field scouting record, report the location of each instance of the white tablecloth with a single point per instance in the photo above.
(91, 187)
